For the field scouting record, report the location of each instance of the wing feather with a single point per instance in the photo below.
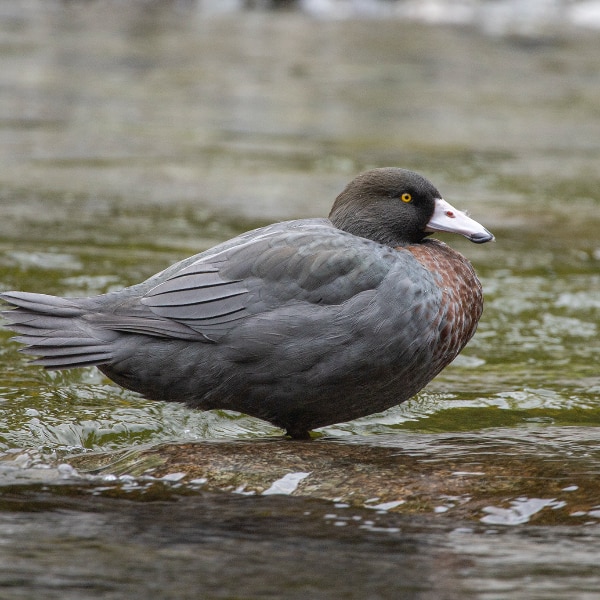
(298, 262)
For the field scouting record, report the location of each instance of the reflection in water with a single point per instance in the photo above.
(216, 546)
(72, 544)
(134, 137)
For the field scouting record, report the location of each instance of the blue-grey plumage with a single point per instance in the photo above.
(303, 323)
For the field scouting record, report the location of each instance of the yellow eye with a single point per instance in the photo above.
(406, 197)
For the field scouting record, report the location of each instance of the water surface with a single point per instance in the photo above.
(133, 138)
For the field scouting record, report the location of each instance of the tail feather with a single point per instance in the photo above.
(38, 304)
(53, 330)
(74, 343)
(69, 362)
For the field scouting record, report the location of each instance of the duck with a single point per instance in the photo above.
(304, 323)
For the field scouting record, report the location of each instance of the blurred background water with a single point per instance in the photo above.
(135, 134)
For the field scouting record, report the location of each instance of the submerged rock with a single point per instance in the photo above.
(484, 483)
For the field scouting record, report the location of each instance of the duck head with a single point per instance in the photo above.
(397, 207)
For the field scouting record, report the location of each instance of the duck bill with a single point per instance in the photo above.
(446, 218)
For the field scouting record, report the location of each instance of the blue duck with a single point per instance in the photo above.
(303, 323)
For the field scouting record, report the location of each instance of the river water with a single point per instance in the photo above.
(133, 135)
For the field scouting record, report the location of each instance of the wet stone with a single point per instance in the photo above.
(484, 483)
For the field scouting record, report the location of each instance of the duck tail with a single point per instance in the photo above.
(55, 330)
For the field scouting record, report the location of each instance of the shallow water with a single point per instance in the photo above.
(136, 137)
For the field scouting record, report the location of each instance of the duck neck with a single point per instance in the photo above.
(374, 229)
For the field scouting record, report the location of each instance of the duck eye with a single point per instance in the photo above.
(406, 197)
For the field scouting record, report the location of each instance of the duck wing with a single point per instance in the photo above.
(295, 263)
